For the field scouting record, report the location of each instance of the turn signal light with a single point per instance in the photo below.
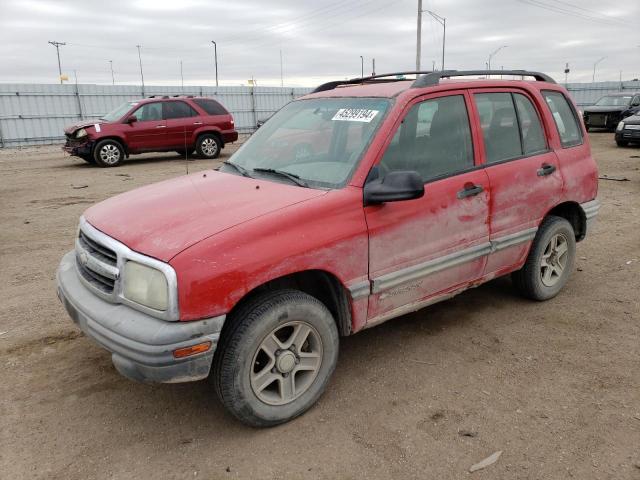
(192, 350)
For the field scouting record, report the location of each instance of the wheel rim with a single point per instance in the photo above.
(209, 147)
(554, 260)
(286, 363)
(110, 154)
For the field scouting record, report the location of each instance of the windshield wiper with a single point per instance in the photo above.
(243, 171)
(291, 176)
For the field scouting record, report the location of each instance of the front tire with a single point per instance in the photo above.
(208, 146)
(108, 153)
(550, 261)
(622, 143)
(276, 358)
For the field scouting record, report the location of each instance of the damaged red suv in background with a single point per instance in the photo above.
(183, 124)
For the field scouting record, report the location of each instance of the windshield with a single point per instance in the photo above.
(614, 101)
(118, 112)
(320, 141)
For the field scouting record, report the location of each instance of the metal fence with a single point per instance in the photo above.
(33, 114)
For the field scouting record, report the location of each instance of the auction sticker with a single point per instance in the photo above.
(355, 115)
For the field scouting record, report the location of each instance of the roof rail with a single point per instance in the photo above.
(355, 81)
(433, 78)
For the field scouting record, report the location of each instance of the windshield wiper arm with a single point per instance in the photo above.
(243, 171)
(291, 176)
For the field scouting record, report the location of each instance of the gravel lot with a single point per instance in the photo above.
(555, 385)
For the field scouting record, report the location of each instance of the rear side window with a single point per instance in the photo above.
(210, 106)
(177, 110)
(565, 118)
(499, 126)
(434, 139)
(533, 140)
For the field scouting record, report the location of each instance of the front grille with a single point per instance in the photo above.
(597, 120)
(96, 263)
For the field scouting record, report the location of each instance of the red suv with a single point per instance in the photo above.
(155, 124)
(249, 275)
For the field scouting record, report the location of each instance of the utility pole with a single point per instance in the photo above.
(181, 76)
(373, 66)
(215, 59)
(113, 78)
(419, 36)
(361, 66)
(57, 45)
(140, 61)
(442, 21)
(566, 74)
(281, 76)
(593, 79)
(493, 54)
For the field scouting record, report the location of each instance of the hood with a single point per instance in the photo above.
(162, 219)
(605, 109)
(83, 124)
(633, 119)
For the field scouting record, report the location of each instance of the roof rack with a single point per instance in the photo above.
(433, 78)
(429, 78)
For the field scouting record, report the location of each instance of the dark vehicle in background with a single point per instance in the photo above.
(155, 124)
(628, 131)
(610, 109)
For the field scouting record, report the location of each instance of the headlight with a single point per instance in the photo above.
(620, 126)
(81, 133)
(146, 286)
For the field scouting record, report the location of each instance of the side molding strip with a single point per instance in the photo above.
(360, 289)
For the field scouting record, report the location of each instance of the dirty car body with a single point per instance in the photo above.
(415, 192)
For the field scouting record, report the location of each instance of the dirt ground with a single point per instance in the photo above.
(554, 385)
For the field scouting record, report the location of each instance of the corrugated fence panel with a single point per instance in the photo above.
(32, 114)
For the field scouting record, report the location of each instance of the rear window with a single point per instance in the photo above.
(565, 117)
(211, 106)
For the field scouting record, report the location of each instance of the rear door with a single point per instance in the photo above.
(435, 244)
(523, 172)
(148, 132)
(181, 120)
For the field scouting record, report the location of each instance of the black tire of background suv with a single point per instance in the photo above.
(622, 143)
(202, 138)
(240, 340)
(528, 280)
(96, 153)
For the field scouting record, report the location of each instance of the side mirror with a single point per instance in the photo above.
(132, 119)
(394, 187)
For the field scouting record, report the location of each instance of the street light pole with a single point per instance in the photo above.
(181, 76)
(493, 54)
(442, 21)
(140, 62)
(215, 59)
(593, 78)
(57, 45)
(361, 66)
(419, 36)
(113, 78)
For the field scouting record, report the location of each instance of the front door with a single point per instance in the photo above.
(419, 249)
(149, 131)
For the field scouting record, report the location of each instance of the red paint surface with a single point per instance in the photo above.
(225, 237)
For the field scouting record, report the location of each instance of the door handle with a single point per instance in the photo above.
(161, 126)
(546, 169)
(197, 123)
(470, 190)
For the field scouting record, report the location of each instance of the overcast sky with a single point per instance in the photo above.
(319, 40)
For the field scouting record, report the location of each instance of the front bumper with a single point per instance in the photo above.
(141, 346)
(78, 149)
(628, 135)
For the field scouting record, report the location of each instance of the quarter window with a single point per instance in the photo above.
(565, 118)
(434, 139)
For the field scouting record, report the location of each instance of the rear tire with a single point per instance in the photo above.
(276, 358)
(208, 145)
(108, 153)
(550, 261)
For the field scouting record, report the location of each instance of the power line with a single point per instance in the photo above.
(575, 14)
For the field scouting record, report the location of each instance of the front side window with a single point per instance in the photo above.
(564, 117)
(434, 139)
(177, 109)
(118, 112)
(149, 112)
(320, 140)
